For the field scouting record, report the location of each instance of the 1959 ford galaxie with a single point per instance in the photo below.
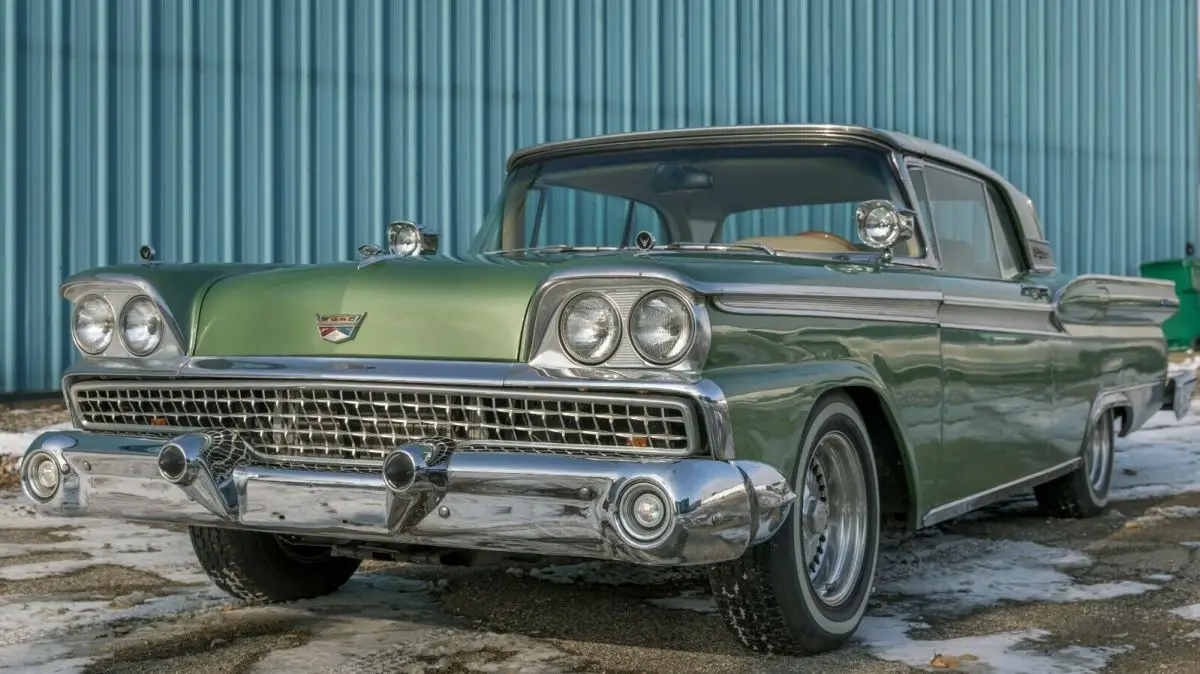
(746, 348)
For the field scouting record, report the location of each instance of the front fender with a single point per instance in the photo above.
(769, 408)
(177, 288)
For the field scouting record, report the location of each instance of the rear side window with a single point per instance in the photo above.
(970, 226)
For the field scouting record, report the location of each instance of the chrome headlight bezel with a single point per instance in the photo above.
(616, 334)
(543, 345)
(75, 314)
(118, 291)
(682, 346)
(155, 315)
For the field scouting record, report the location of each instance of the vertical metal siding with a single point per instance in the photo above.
(291, 130)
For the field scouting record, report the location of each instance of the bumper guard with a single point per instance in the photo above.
(1181, 386)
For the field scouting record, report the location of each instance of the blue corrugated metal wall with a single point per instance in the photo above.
(291, 130)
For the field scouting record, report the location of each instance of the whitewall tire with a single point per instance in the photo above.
(805, 591)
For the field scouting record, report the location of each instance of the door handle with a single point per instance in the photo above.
(1036, 292)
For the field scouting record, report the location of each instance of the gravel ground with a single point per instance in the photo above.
(1001, 591)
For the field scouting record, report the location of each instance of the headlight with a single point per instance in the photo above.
(141, 326)
(404, 238)
(92, 324)
(661, 327)
(590, 328)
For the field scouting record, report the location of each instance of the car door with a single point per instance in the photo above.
(996, 339)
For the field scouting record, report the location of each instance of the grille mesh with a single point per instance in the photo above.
(322, 422)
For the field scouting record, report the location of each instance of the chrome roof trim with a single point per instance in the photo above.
(748, 133)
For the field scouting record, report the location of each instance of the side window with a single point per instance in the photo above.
(917, 175)
(580, 218)
(966, 221)
(1007, 243)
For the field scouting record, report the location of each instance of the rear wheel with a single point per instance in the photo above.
(261, 567)
(1084, 491)
(805, 591)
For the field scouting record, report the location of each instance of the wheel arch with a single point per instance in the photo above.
(771, 410)
(1119, 403)
(897, 488)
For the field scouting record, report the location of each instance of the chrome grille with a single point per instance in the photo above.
(324, 422)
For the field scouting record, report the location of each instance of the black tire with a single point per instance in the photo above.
(766, 596)
(260, 568)
(1074, 495)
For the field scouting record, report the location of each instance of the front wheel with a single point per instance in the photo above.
(805, 591)
(1084, 491)
(262, 567)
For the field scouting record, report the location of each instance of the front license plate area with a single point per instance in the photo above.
(273, 504)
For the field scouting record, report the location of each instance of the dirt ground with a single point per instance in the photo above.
(1000, 591)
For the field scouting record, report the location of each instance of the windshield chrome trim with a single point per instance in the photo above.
(895, 158)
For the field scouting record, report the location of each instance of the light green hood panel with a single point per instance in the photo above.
(468, 308)
(434, 308)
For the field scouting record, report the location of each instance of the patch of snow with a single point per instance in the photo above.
(16, 443)
(1191, 544)
(1192, 363)
(1192, 635)
(36, 632)
(1160, 577)
(1002, 653)
(1160, 514)
(103, 541)
(1187, 612)
(1160, 459)
(954, 574)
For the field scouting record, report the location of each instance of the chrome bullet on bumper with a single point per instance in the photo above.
(689, 511)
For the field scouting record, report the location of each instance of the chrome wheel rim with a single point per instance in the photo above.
(1096, 456)
(833, 518)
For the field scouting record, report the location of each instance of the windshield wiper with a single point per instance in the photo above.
(680, 245)
(696, 245)
(556, 248)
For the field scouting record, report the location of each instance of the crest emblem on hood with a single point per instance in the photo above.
(339, 327)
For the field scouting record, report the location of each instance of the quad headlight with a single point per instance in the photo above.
(141, 326)
(661, 327)
(590, 328)
(93, 324)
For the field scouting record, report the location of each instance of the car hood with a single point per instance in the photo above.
(470, 308)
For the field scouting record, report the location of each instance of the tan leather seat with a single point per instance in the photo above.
(800, 244)
(811, 242)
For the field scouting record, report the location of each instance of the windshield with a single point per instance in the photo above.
(791, 199)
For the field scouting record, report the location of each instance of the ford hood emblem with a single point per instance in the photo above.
(339, 327)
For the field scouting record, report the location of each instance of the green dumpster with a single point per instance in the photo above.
(1183, 329)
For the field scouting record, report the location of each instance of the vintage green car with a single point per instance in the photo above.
(662, 348)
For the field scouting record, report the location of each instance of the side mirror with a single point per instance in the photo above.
(408, 239)
(404, 239)
(881, 225)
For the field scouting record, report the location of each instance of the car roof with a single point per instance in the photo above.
(749, 133)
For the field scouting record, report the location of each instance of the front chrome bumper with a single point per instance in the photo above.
(512, 502)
